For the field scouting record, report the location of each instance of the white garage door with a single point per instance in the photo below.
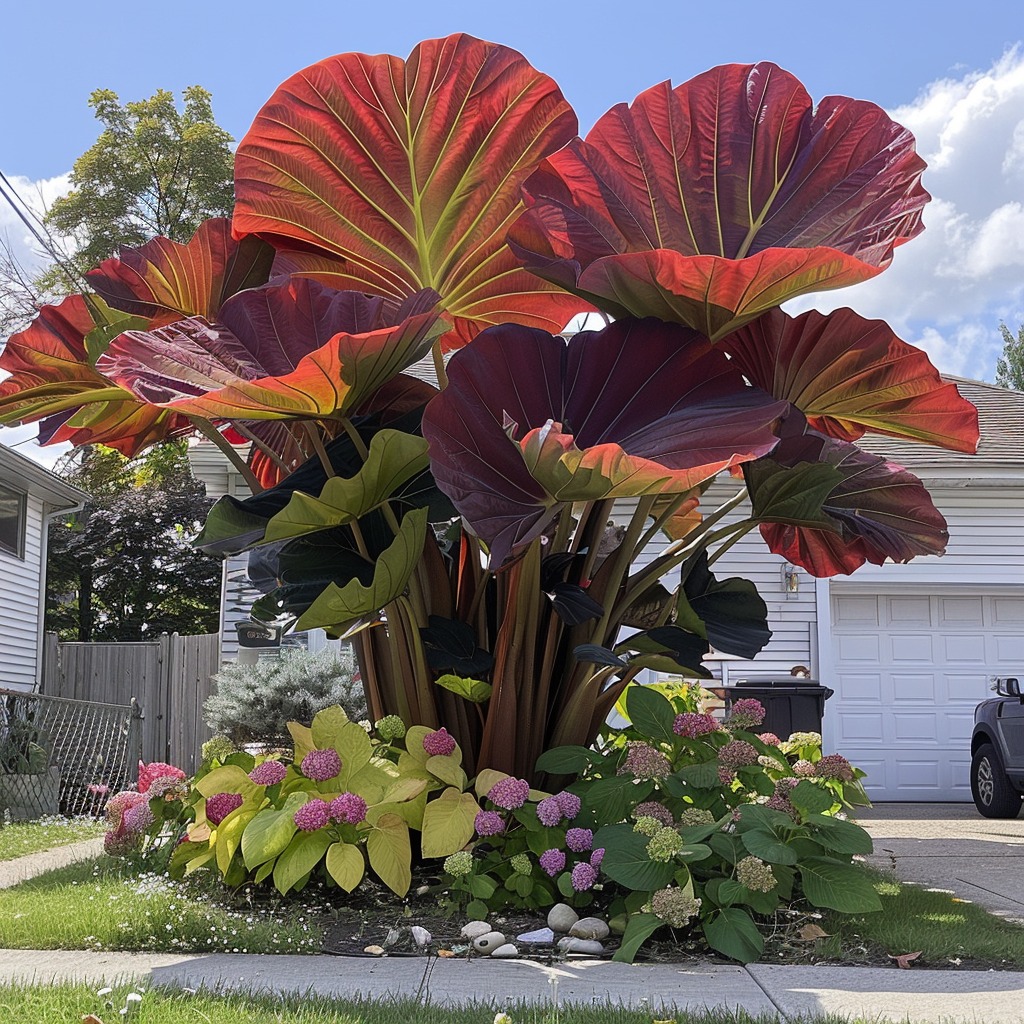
(909, 669)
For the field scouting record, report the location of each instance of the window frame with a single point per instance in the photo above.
(18, 551)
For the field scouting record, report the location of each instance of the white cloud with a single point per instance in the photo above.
(948, 289)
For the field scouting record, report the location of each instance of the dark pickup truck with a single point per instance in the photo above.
(997, 752)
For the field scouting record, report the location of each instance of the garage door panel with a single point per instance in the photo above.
(906, 688)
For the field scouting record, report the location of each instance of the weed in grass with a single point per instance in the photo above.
(106, 904)
(19, 838)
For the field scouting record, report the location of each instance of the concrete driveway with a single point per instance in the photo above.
(951, 846)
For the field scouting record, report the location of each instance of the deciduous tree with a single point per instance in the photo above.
(1010, 365)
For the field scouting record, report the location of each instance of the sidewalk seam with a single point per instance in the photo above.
(771, 999)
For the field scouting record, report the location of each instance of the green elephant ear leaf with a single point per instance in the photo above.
(345, 864)
(337, 608)
(448, 823)
(394, 458)
(793, 495)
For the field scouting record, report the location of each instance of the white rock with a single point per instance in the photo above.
(488, 943)
(561, 917)
(540, 937)
(573, 945)
(421, 936)
(475, 929)
(507, 951)
(590, 928)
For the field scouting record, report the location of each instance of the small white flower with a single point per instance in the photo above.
(103, 991)
(502, 1018)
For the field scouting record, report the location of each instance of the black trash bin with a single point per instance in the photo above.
(791, 705)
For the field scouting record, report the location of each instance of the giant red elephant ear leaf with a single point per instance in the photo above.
(529, 423)
(849, 375)
(388, 176)
(53, 380)
(715, 201)
(166, 281)
(866, 509)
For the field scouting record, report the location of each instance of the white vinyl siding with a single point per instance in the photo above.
(19, 604)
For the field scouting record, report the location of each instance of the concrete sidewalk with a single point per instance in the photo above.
(951, 846)
(791, 993)
(14, 872)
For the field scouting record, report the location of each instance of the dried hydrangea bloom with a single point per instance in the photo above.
(747, 713)
(268, 773)
(644, 761)
(755, 874)
(664, 845)
(168, 788)
(312, 815)
(220, 805)
(321, 765)
(737, 754)
(348, 808)
(120, 842)
(509, 794)
(835, 766)
(439, 743)
(459, 864)
(691, 725)
(804, 769)
(653, 809)
(552, 861)
(674, 906)
(769, 738)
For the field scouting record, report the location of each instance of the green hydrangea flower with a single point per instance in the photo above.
(459, 864)
(664, 844)
(521, 864)
(755, 874)
(647, 826)
(390, 727)
(695, 816)
(218, 748)
(674, 906)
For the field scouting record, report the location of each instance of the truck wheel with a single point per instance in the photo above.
(993, 794)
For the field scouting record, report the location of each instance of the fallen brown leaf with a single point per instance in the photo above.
(445, 953)
(809, 932)
(904, 960)
(91, 1018)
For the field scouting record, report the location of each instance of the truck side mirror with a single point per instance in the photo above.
(1010, 687)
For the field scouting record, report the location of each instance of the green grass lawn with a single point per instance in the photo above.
(19, 838)
(64, 1003)
(107, 904)
(941, 927)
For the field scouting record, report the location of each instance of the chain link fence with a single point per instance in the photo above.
(64, 756)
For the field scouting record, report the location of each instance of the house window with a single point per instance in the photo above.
(12, 521)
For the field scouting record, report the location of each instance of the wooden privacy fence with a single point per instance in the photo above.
(169, 678)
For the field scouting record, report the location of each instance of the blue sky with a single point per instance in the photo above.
(951, 71)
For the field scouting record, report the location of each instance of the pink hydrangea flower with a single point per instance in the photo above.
(509, 793)
(268, 773)
(569, 802)
(691, 724)
(804, 769)
(653, 809)
(439, 743)
(644, 761)
(312, 815)
(119, 803)
(349, 808)
(583, 877)
(489, 823)
(220, 805)
(552, 861)
(138, 819)
(770, 738)
(737, 754)
(549, 812)
(835, 766)
(321, 765)
(154, 770)
(579, 839)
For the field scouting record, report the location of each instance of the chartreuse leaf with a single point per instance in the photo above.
(838, 886)
(355, 750)
(448, 769)
(338, 607)
(393, 459)
(229, 836)
(475, 690)
(650, 713)
(732, 932)
(302, 738)
(269, 833)
(327, 725)
(448, 823)
(345, 864)
(389, 852)
(229, 778)
(627, 862)
(302, 855)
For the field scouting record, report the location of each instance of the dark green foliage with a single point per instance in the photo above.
(124, 568)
